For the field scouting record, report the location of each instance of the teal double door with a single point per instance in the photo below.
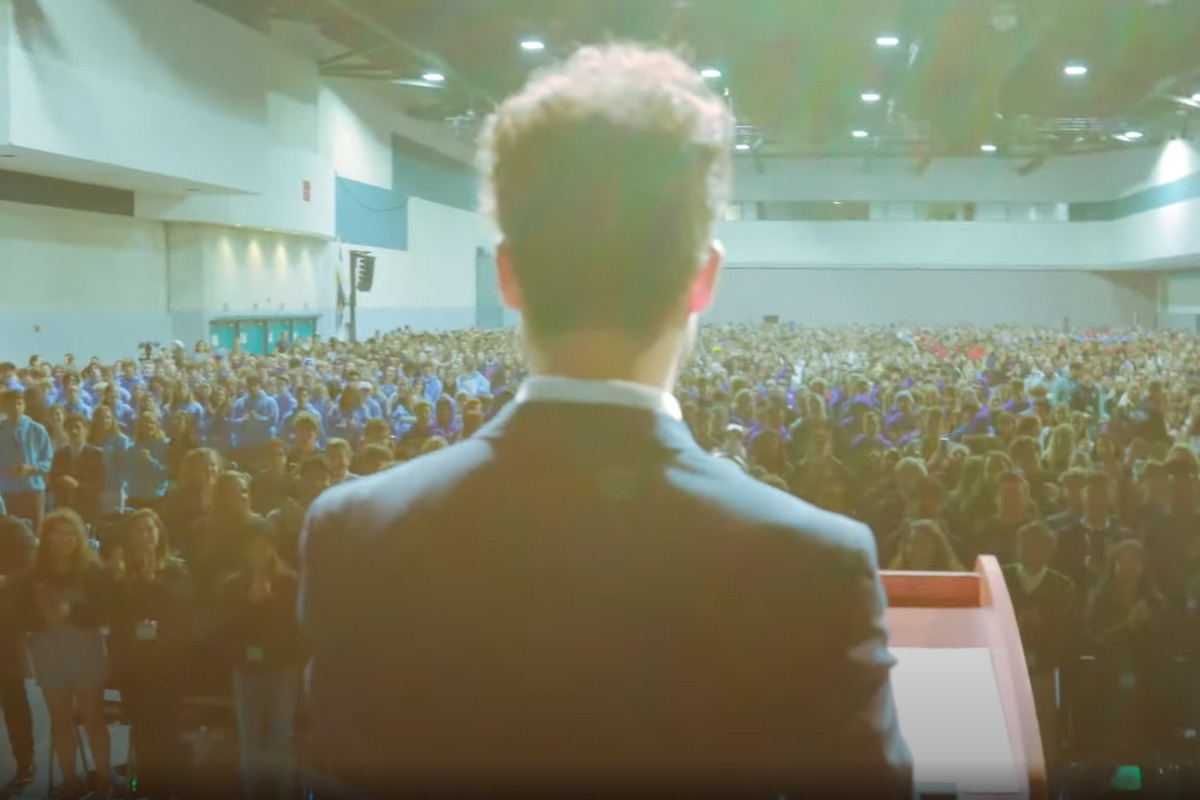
(259, 335)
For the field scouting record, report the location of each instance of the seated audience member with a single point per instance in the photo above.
(150, 636)
(17, 545)
(260, 639)
(147, 463)
(274, 484)
(64, 601)
(925, 548)
(26, 456)
(77, 472)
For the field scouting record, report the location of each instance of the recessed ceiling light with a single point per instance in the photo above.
(988, 147)
(1075, 70)
(741, 146)
(837, 202)
(1196, 98)
(887, 41)
(533, 45)
(1133, 135)
(859, 134)
(710, 73)
(871, 97)
(433, 77)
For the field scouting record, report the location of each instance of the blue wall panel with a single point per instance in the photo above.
(371, 216)
(1166, 194)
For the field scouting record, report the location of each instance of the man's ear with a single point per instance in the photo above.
(510, 292)
(704, 285)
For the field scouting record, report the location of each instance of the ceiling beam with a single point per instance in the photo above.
(354, 54)
(427, 59)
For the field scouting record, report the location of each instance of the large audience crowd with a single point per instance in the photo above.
(154, 506)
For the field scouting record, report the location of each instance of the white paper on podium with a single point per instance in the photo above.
(952, 718)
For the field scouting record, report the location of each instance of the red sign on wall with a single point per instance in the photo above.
(307, 191)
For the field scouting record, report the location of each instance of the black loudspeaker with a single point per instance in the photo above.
(364, 270)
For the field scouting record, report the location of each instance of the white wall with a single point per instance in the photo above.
(845, 296)
(90, 284)
(432, 284)
(357, 120)
(168, 87)
(926, 245)
(1089, 177)
(289, 158)
(216, 272)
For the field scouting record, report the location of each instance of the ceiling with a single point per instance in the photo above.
(964, 73)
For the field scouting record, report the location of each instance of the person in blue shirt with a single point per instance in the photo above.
(431, 382)
(104, 434)
(181, 400)
(8, 376)
(346, 419)
(26, 456)
(284, 396)
(110, 396)
(72, 400)
(473, 383)
(146, 464)
(129, 378)
(302, 406)
(370, 401)
(255, 417)
(401, 418)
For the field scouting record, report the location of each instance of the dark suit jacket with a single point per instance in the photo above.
(578, 596)
(88, 468)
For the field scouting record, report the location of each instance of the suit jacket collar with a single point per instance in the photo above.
(601, 420)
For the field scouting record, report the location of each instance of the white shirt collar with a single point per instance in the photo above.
(557, 389)
(1030, 581)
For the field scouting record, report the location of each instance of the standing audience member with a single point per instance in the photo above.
(147, 462)
(26, 456)
(262, 641)
(114, 446)
(17, 545)
(186, 503)
(77, 473)
(925, 548)
(150, 635)
(1125, 626)
(1047, 609)
(65, 603)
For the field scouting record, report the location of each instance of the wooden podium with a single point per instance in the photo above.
(961, 686)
